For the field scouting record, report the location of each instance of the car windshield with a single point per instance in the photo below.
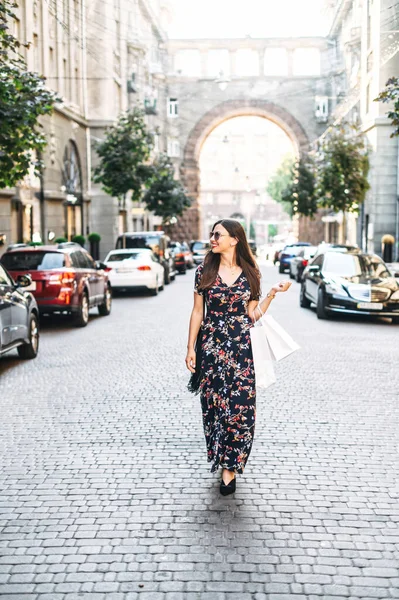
(147, 241)
(200, 246)
(117, 257)
(349, 265)
(33, 261)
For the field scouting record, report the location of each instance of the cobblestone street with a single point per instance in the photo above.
(107, 495)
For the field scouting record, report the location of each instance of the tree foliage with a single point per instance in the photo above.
(343, 166)
(301, 192)
(165, 195)
(23, 100)
(280, 181)
(334, 177)
(391, 94)
(123, 156)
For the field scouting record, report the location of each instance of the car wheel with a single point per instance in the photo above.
(104, 309)
(298, 277)
(173, 277)
(162, 286)
(321, 306)
(167, 277)
(82, 316)
(395, 320)
(30, 349)
(154, 291)
(303, 300)
(291, 275)
(281, 268)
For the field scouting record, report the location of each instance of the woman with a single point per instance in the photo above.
(229, 282)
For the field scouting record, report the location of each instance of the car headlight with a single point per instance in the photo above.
(335, 288)
(395, 296)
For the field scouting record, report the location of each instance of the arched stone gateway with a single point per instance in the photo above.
(188, 226)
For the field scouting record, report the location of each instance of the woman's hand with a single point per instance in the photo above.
(283, 286)
(190, 360)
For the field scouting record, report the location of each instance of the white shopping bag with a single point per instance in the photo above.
(263, 361)
(280, 342)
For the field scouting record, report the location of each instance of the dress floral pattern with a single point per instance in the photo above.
(228, 395)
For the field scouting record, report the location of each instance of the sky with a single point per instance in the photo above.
(239, 18)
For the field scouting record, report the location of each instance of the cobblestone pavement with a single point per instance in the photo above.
(105, 489)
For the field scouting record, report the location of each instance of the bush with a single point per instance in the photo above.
(94, 237)
(60, 240)
(79, 239)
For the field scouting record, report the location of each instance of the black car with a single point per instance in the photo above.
(300, 261)
(199, 248)
(350, 282)
(19, 316)
(158, 242)
(287, 253)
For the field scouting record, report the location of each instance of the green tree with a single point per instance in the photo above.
(391, 94)
(280, 181)
(23, 100)
(123, 156)
(301, 192)
(343, 166)
(165, 196)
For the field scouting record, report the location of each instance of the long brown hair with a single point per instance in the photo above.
(244, 259)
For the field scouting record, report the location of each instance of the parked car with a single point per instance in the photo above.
(199, 248)
(135, 269)
(300, 261)
(19, 316)
(350, 282)
(65, 278)
(287, 253)
(253, 246)
(188, 255)
(158, 242)
(183, 256)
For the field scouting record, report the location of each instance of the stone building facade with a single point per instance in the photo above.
(52, 29)
(364, 44)
(126, 47)
(284, 80)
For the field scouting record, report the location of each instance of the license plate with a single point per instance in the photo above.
(124, 270)
(31, 287)
(370, 305)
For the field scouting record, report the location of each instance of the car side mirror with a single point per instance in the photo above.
(100, 266)
(23, 281)
(314, 269)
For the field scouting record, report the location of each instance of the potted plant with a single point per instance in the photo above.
(79, 239)
(94, 239)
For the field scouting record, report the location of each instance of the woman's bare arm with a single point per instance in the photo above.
(195, 323)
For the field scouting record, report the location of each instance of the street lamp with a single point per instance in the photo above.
(222, 81)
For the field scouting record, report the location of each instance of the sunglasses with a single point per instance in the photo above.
(217, 235)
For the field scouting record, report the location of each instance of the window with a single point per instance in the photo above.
(218, 61)
(173, 107)
(173, 148)
(318, 260)
(4, 278)
(188, 63)
(81, 260)
(306, 62)
(36, 54)
(276, 62)
(247, 62)
(33, 261)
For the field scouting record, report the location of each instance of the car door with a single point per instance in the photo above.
(6, 290)
(88, 274)
(96, 277)
(313, 278)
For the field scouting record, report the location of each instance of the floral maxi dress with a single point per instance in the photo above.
(228, 396)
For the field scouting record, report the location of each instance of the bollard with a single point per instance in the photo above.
(387, 243)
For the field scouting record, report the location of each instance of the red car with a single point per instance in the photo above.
(65, 278)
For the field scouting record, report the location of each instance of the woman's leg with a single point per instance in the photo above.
(228, 476)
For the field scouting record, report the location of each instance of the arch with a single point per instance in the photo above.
(189, 170)
(240, 108)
